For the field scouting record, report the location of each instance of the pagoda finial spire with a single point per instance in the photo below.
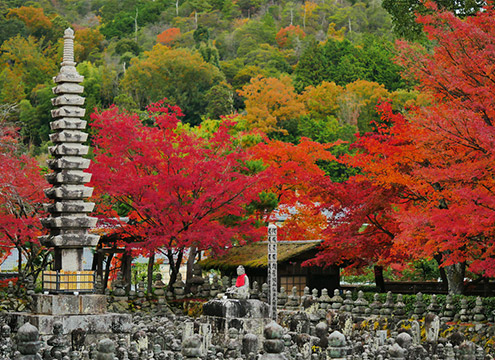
(68, 47)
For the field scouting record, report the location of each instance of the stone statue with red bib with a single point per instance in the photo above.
(241, 288)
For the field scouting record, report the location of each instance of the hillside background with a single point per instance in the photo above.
(332, 58)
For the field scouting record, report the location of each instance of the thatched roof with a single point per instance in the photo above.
(255, 255)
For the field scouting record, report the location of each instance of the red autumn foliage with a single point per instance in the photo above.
(21, 198)
(455, 137)
(286, 36)
(430, 172)
(169, 36)
(181, 190)
(292, 173)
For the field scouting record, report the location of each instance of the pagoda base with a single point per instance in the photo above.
(67, 304)
(75, 312)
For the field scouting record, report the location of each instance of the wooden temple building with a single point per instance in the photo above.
(291, 255)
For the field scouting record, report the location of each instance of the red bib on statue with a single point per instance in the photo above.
(240, 280)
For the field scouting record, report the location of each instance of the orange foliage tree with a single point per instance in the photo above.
(34, 18)
(292, 174)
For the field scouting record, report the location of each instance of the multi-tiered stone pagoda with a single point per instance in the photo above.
(69, 222)
(68, 290)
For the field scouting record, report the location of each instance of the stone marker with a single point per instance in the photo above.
(105, 350)
(273, 344)
(250, 344)
(272, 271)
(28, 343)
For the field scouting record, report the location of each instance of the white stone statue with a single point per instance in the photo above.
(241, 288)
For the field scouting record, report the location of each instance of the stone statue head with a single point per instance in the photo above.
(240, 270)
(6, 331)
(57, 328)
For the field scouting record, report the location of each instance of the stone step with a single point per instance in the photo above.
(66, 222)
(68, 162)
(68, 111)
(72, 136)
(68, 99)
(69, 207)
(68, 240)
(68, 124)
(69, 149)
(69, 192)
(68, 177)
(68, 88)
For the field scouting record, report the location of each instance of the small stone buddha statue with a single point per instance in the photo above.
(241, 288)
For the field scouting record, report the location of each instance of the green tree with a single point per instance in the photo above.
(220, 100)
(343, 62)
(180, 75)
(404, 13)
(92, 85)
(10, 28)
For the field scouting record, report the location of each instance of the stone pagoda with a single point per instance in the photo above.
(68, 223)
(68, 290)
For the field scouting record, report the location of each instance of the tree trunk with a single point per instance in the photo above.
(19, 260)
(135, 26)
(441, 269)
(455, 277)
(107, 270)
(151, 263)
(126, 270)
(174, 266)
(379, 281)
(190, 263)
(304, 18)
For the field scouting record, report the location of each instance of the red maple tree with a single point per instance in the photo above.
(455, 141)
(168, 36)
(438, 159)
(181, 190)
(21, 199)
(361, 211)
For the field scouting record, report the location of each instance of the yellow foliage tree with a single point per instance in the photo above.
(88, 41)
(270, 102)
(358, 103)
(322, 100)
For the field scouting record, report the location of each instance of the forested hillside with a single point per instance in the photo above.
(211, 58)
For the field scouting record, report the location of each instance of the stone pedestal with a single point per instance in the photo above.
(69, 304)
(250, 316)
(86, 312)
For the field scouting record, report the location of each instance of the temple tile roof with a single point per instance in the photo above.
(254, 255)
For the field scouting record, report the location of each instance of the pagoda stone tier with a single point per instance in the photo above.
(68, 221)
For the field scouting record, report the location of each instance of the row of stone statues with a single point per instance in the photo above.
(180, 338)
(240, 288)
